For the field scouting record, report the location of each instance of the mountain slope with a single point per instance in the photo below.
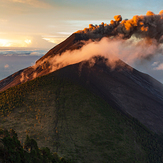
(75, 123)
(75, 41)
(134, 93)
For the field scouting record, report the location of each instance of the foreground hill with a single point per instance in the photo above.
(75, 123)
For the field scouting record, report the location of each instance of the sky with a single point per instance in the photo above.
(44, 23)
(33, 25)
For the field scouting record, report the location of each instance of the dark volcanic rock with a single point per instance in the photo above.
(134, 93)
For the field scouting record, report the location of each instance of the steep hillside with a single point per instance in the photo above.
(75, 123)
(124, 88)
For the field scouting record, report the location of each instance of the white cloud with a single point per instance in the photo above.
(55, 40)
(27, 41)
(35, 54)
(155, 63)
(65, 33)
(159, 67)
(6, 66)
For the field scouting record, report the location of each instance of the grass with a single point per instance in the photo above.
(75, 123)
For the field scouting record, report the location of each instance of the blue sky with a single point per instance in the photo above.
(44, 23)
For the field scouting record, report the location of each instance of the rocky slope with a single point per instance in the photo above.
(124, 88)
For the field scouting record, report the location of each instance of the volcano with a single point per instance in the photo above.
(134, 93)
(94, 109)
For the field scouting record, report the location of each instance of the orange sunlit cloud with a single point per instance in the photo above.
(28, 41)
(5, 43)
(14, 43)
(6, 66)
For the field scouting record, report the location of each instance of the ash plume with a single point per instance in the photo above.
(144, 26)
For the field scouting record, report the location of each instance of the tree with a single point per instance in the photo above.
(12, 151)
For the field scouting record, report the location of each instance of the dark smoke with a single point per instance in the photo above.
(147, 26)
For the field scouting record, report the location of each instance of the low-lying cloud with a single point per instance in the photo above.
(130, 51)
(20, 52)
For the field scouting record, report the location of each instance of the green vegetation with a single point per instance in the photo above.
(11, 150)
(76, 124)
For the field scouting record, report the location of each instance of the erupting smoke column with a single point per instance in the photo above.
(143, 26)
(137, 39)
